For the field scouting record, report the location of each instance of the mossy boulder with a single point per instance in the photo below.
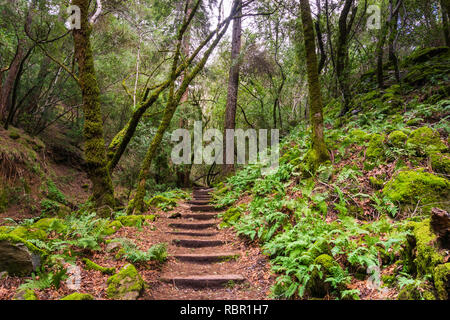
(113, 227)
(25, 294)
(230, 217)
(425, 141)
(50, 224)
(440, 163)
(411, 292)
(424, 252)
(18, 256)
(162, 202)
(376, 147)
(317, 286)
(125, 285)
(441, 278)
(357, 136)
(397, 139)
(78, 296)
(29, 233)
(412, 187)
(135, 220)
(90, 265)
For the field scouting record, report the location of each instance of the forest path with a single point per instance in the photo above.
(206, 262)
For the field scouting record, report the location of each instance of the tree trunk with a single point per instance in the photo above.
(318, 152)
(7, 87)
(233, 82)
(393, 35)
(342, 53)
(102, 187)
(445, 22)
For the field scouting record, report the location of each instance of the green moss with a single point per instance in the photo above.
(319, 247)
(15, 239)
(357, 136)
(230, 217)
(29, 233)
(427, 255)
(26, 294)
(317, 285)
(53, 193)
(411, 292)
(135, 220)
(409, 187)
(161, 202)
(90, 265)
(125, 285)
(50, 224)
(376, 183)
(78, 296)
(388, 279)
(441, 277)
(13, 134)
(397, 139)
(440, 163)
(425, 141)
(425, 54)
(375, 150)
(113, 227)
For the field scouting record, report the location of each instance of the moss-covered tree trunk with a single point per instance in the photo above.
(393, 36)
(94, 143)
(319, 152)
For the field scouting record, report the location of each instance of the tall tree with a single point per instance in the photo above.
(96, 161)
(233, 80)
(346, 20)
(318, 152)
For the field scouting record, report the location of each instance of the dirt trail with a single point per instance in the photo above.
(206, 262)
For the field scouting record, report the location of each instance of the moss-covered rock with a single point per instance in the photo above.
(409, 187)
(375, 150)
(135, 220)
(440, 163)
(125, 285)
(357, 136)
(411, 292)
(162, 202)
(424, 250)
(425, 141)
(78, 296)
(112, 227)
(441, 278)
(25, 294)
(397, 139)
(230, 217)
(18, 256)
(90, 265)
(29, 233)
(317, 286)
(50, 224)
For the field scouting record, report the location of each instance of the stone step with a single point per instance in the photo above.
(205, 207)
(201, 202)
(209, 281)
(207, 258)
(201, 194)
(192, 226)
(202, 188)
(194, 234)
(200, 216)
(194, 243)
(204, 198)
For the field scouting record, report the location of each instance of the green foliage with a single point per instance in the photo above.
(130, 252)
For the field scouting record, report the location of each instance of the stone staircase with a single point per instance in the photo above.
(200, 255)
